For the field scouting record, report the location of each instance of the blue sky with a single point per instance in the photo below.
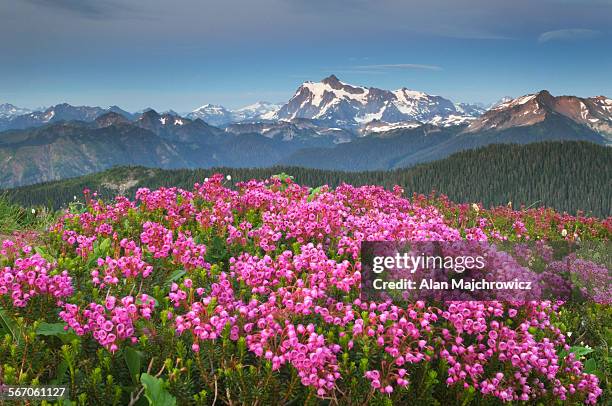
(185, 53)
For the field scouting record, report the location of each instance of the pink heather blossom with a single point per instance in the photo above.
(112, 323)
(32, 276)
(290, 273)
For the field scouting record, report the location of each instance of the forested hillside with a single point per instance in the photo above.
(568, 176)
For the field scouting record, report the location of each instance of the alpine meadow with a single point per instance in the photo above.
(290, 202)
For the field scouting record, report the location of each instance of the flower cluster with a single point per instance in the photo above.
(478, 335)
(112, 322)
(32, 276)
(277, 266)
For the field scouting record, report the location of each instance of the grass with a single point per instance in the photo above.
(16, 218)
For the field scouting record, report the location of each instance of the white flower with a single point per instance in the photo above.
(564, 233)
(228, 177)
(205, 179)
(475, 207)
(33, 211)
(569, 333)
(73, 197)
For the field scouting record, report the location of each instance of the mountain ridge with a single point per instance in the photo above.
(336, 104)
(593, 112)
(71, 148)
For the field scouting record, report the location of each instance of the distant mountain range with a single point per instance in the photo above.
(54, 114)
(329, 124)
(329, 102)
(71, 148)
(13, 117)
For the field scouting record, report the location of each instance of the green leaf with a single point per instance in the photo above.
(50, 329)
(10, 325)
(590, 366)
(155, 391)
(175, 276)
(581, 351)
(56, 330)
(105, 246)
(314, 192)
(133, 359)
(282, 176)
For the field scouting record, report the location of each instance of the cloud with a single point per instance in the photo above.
(360, 71)
(97, 10)
(384, 69)
(399, 66)
(567, 34)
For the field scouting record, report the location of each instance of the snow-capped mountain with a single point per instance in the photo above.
(220, 116)
(345, 105)
(336, 104)
(257, 111)
(593, 112)
(212, 114)
(8, 111)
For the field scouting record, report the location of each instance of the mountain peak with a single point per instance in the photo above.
(150, 112)
(110, 118)
(213, 114)
(349, 106)
(332, 81)
(8, 110)
(544, 95)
